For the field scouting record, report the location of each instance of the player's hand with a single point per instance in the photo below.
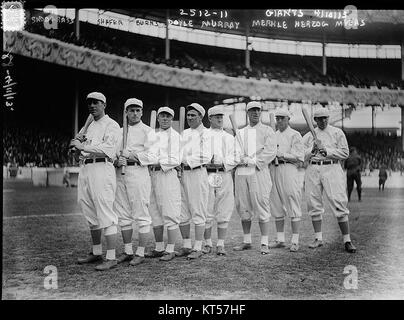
(76, 144)
(318, 144)
(122, 161)
(280, 155)
(81, 137)
(323, 152)
(125, 153)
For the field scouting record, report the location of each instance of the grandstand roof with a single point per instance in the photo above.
(378, 27)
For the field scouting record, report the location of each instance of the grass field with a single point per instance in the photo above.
(41, 227)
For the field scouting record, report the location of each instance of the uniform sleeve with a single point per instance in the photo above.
(341, 151)
(109, 142)
(150, 153)
(268, 152)
(297, 149)
(308, 142)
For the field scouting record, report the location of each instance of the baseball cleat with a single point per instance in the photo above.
(183, 252)
(195, 254)
(277, 244)
(264, 249)
(220, 251)
(316, 243)
(168, 256)
(154, 254)
(125, 257)
(294, 247)
(207, 249)
(137, 260)
(349, 247)
(89, 259)
(243, 246)
(109, 264)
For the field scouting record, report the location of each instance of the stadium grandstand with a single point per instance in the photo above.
(162, 58)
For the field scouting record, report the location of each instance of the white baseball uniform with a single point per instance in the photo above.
(97, 181)
(165, 198)
(195, 153)
(221, 199)
(252, 192)
(322, 176)
(286, 191)
(132, 196)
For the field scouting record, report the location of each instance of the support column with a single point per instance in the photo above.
(402, 128)
(77, 24)
(167, 55)
(324, 57)
(402, 61)
(76, 108)
(373, 121)
(247, 50)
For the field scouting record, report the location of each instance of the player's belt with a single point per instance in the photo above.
(322, 162)
(281, 161)
(94, 160)
(155, 168)
(132, 163)
(215, 169)
(189, 168)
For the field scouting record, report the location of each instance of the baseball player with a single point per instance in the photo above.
(286, 190)
(133, 188)
(165, 198)
(97, 181)
(324, 174)
(353, 172)
(195, 154)
(252, 178)
(221, 196)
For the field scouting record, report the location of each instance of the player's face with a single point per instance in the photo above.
(254, 115)
(165, 119)
(134, 114)
(96, 108)
(322, 122)
(216, 121)
(194, 118)
(282, 123)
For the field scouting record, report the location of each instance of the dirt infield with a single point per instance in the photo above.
(41, 227)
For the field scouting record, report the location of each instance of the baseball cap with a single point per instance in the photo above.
(215, 110)
(282, 112)
(254, 104)
(97, 96)
(165, 109)
(197, 107)
(134, 101)
(321, 112)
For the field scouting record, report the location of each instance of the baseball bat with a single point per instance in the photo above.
(153, 117)
(272, 124)
(90, 119)
(182, 119)
(237, 133)
(83, 131)
(309, 123)
(124, 136)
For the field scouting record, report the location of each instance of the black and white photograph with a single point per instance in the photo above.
(226, 155)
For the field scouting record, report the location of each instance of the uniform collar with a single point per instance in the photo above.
(140, 123)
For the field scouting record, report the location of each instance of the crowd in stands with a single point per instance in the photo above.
(231, 62)
(35, 148)
(378, 150)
